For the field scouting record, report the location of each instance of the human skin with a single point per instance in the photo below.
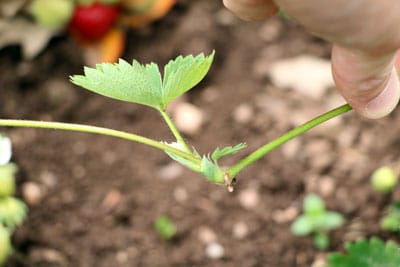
(366, 40)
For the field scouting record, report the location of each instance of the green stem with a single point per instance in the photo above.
(175, 131)
(99, 130)
(262, 151)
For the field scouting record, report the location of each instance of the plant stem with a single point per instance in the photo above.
(175, 131)
(262, 151)
(99, 130)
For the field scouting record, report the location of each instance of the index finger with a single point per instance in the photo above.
(252, 9)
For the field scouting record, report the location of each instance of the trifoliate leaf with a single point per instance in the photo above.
(183, 73)
(303, 225)
(226, 151)
(12, 212)
(211, 171)
(363, 253)
(185, 162)
(142, 84)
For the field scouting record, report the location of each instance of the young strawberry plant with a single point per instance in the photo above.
(144, 84)
(364, 253)
(316, 221)
(12, 210)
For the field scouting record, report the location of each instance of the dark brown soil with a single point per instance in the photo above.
(101, 195)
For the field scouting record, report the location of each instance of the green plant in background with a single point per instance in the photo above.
(144, 84)
(12, 210)
(391, 221)
(316, 221)
(165, 227)
(364, 253)
(384, 179)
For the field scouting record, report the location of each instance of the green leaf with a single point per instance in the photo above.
(142, 84)
(321, 241)
(303, 225)
(219, 153)
(7, 179)
(332, 220)
(134, 82)
(363, 253)
(5, 244)
(12, 212)
(185, 162)
(183, 73)
(165, 227)
(313, 205)
(211, 171)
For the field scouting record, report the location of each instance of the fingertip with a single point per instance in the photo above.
(252, 10)
(386, 101)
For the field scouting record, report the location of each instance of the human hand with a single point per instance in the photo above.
(365, 36)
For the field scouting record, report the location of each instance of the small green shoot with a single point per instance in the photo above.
(316, 221)
(165, 227)
(364, 253)
(384, 179)
(391, 222)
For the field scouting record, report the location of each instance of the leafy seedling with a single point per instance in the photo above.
(144, 84)
(165, 227)
(316, 221)
(391, 222)
(384, 179)
(364, 253)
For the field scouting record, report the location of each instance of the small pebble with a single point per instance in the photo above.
(215, 251)
(286, 215)
(240, 230)
(243, 113)
(122, 257)
(180, 194)
(48, 179)
(112, 199)
(32, 193)
(326, 186)
(319, 261)
(206, 235)
(188, 118)
(170, 171)
(249, 198)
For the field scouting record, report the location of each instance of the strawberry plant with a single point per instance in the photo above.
(316, 220)
(144, 84)
(364, 253)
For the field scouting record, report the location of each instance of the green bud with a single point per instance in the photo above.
(52, 13)
(384, 179)
(7, 180)
(5, 244)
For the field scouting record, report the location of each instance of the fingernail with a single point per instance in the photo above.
(386, 101)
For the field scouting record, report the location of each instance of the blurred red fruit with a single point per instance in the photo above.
(91, 22)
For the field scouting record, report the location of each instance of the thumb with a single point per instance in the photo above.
(369, 83)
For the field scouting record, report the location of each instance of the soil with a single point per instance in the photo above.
(100, 195)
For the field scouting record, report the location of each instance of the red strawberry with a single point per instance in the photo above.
(91, 22)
